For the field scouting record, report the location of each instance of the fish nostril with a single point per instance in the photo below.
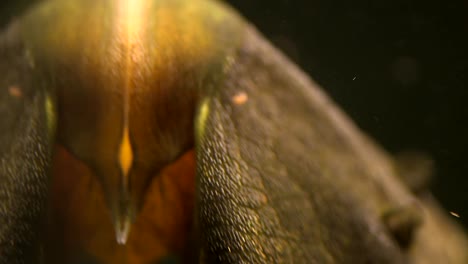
(402, 223)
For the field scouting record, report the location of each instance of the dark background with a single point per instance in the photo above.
(397, 67)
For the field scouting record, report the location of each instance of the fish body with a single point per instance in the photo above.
(144, 131)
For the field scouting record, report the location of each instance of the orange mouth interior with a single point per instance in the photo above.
(79, 223)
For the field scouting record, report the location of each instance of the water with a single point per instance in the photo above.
(398, 68)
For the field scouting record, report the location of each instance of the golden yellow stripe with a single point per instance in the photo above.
(125, 153)
(130, 19)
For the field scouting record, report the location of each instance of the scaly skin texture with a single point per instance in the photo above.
(177, 122)
(25, 152)
(285, 177)
(126, 75)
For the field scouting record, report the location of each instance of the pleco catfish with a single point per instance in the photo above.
(166, 131)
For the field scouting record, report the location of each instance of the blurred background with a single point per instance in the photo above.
(399, 68)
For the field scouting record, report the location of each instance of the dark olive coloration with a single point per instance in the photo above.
(153, 131)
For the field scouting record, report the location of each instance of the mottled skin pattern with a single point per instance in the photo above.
(282, 175)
